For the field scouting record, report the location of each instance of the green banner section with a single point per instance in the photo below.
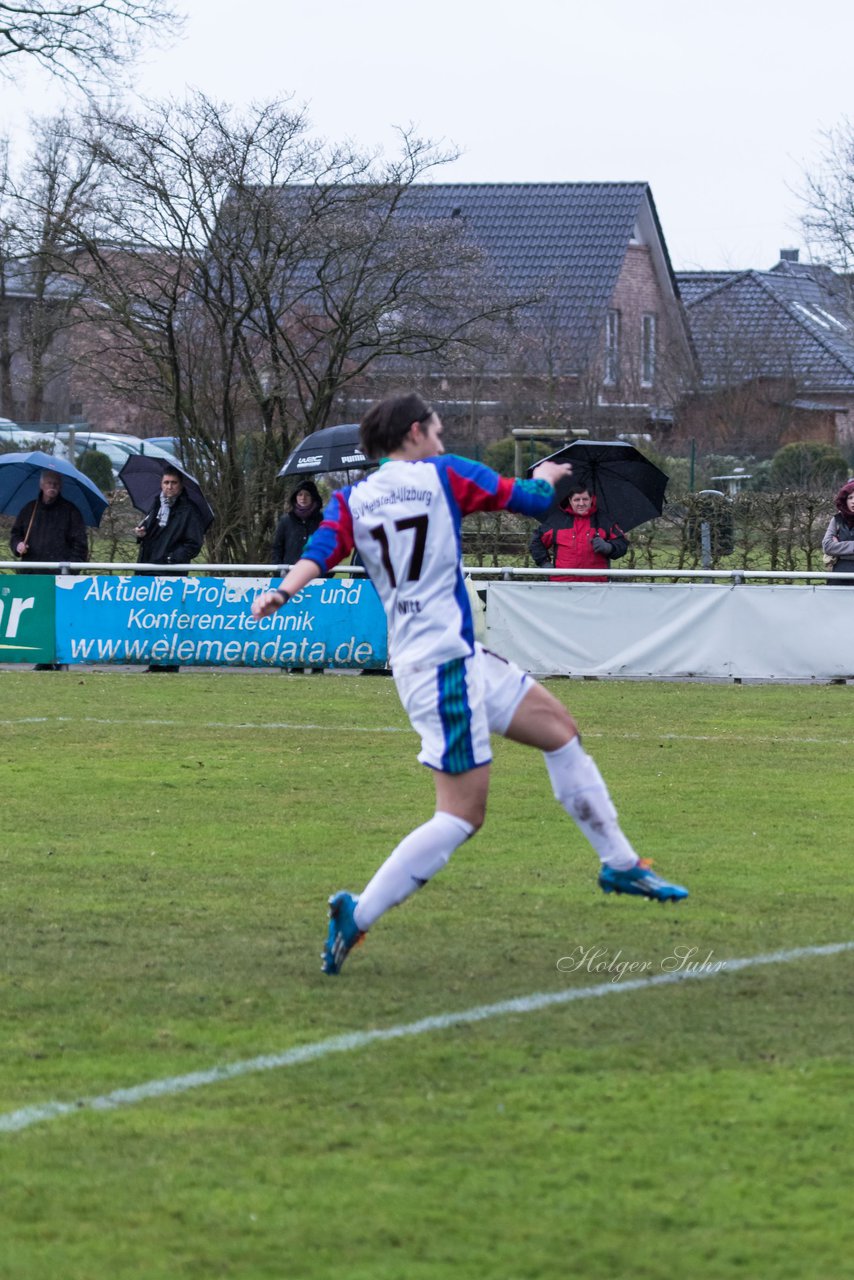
(27, 618)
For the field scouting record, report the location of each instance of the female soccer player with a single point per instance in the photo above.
(404, 520)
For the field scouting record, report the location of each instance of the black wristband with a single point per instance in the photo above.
(280, 591)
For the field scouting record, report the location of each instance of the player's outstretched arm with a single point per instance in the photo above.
(297, 577)
(553, 472)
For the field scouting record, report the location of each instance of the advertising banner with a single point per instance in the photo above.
(334, 622)
(636, 630)
(27, 618)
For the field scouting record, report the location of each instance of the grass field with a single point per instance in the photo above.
(168, 848)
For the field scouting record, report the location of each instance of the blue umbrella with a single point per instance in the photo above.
(19, 484)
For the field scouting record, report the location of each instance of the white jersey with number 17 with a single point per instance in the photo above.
(404, 521)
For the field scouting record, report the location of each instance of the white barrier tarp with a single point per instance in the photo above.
(641, 629)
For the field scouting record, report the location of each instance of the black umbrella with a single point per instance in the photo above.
(332, 449)
(141, 476)
(629, 489)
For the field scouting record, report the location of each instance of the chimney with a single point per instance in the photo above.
(789, 255)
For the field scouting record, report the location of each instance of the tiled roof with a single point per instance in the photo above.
(791, 322)
(694, 284)
(561, 243)
(567, 241)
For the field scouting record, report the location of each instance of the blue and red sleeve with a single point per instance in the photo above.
(479, 488)
(332, 540)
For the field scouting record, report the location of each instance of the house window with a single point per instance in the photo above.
(648, 328)
(612, 348)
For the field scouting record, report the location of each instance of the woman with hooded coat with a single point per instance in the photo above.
(839, 539)
(575, 537)
(297, 524)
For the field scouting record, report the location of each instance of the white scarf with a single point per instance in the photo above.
(163, 513)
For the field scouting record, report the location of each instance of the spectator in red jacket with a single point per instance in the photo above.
(573, 538)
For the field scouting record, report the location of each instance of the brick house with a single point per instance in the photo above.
(601, 342)
(604, 344)
(776, 356)
(34, 357)
(62, 360)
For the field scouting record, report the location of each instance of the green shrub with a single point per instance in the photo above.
(808, 464)
(98, 468)
(501, 456)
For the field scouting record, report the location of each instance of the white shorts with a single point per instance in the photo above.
(455, 707)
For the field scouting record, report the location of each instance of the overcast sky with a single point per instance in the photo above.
(720, 107)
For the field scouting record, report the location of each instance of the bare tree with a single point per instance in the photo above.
(242, 276)
(7, 258)
(38, 207)
(82, 41)
(55, 184)
(828, 197)
(562, 373)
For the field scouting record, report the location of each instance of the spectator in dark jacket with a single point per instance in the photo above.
(574, 538)
(171, 533)
(50, 527)
(303, 516)
(297, 524)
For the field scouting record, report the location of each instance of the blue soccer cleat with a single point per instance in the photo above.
(641, 881)
(344, 934)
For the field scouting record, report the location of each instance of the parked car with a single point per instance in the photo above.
(191, 452)
(172, 444)
(118, 448)
(85, 435)
(25, 440)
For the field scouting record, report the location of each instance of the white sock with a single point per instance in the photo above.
(415, 861)
(578, 786)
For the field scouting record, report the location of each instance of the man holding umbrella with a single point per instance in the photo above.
(574, 538)
(172, 532)
(50, 527)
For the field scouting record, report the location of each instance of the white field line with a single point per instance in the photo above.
(224, 724)
(387, 728)
(12, 1121)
